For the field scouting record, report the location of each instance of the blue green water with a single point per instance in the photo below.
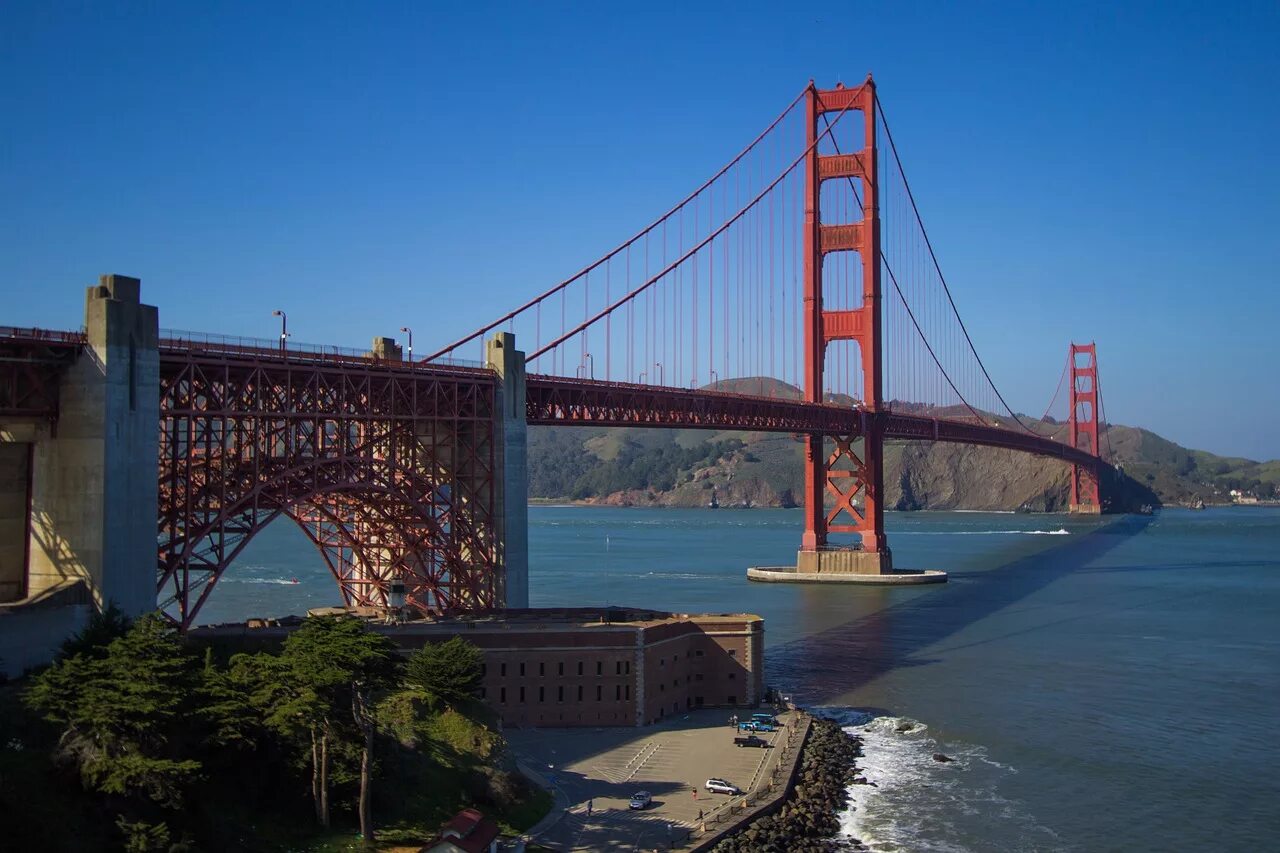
(1101, 685)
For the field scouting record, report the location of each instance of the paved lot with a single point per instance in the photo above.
(669, 760)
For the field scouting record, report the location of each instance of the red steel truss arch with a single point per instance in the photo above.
(388, 469)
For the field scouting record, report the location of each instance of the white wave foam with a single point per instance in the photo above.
(283, 581)
(920, 804)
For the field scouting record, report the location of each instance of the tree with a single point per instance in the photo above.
(123, 713)
(94, 637)
(329, 668)
(449, 671)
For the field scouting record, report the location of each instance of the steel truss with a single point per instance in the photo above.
(31, 364)
(586, 402)
(389, 470)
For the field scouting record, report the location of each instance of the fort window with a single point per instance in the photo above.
(619, 668)
(698, 653)
(733, 700)
(560, 692)
(522, 669)
(627, 667)
(502, 669)
(617, 692)
(599, 667)
(579, 692)
(561, 671)
(732, 676)
(627, 692)
(521, 692)
(502, 695)
(599, 692)
(542, 669)
(579, 667)
(542, 694)
(733, 653)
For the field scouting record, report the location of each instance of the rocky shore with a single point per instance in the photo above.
(807, 821)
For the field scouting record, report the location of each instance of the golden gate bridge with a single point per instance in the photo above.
(796, 290)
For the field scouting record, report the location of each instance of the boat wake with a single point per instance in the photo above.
(1061, 531)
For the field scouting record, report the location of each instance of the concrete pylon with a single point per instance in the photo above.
(94, 480)
(513, 469)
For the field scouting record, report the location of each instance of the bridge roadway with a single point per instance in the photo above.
(553, 400)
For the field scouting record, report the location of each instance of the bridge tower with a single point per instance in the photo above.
(854, 468)
(1082, 426)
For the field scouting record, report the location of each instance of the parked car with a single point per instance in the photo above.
(755, 726)
(769, 719)
(720, 786)
(641, 800)
(750, 740)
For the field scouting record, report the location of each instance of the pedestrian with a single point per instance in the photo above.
(589, 804)
(699, 815)
(695, 793)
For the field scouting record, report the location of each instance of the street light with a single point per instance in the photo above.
(409, 332)
(640, 380)
(715, 379)
(587, 359)
(284, 326)
(658, 365)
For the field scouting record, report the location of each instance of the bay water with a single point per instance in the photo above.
(1099, 684)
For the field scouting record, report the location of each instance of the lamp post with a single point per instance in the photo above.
(409, 332)
(284, 327)
(588, 361)
(658, 365)
(715, 380)
(640, 380)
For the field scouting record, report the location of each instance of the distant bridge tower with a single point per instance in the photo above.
(848, 472)
(1083, 427)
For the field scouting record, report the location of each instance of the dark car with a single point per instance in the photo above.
(750, 740)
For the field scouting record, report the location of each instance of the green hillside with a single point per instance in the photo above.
(662, 467)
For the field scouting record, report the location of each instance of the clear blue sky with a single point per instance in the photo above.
(1092, 171)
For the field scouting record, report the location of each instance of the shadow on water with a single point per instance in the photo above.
(821, 667)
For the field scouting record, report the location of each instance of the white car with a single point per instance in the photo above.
(720, 786)
(641, 800)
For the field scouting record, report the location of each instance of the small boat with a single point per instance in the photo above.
(714, 504)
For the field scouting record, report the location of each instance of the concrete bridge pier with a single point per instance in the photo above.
(89, 482)
(512, 475)
(94, 483)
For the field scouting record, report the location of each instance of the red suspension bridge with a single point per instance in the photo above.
(797, 290)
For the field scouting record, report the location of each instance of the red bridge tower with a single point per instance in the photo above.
(849, 471)
(1083, 427)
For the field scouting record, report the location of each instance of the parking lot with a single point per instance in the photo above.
(606, 766)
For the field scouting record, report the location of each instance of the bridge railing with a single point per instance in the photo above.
(237, 345)
(31, 333)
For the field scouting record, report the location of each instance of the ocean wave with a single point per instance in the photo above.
(283, 581)
(918, 803)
